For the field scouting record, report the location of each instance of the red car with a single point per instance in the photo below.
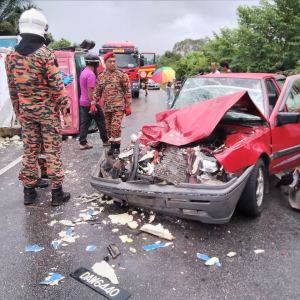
(214, 150)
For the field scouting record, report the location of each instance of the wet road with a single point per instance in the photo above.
(166, 273)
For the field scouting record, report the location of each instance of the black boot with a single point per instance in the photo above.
(44, 176)
(41, 183)
(116, 150)
(111, 149)
(29, 195)
(59, 197)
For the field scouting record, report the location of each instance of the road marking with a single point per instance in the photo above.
(9, 166)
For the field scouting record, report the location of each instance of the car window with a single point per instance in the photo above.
(272, 94)
(292, 93)
(199, 89)
(293, 101)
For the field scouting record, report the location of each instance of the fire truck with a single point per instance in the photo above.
(138, 65)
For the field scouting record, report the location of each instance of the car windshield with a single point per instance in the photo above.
(126, 61)
(199, 89)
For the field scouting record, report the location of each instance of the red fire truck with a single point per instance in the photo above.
(138, 65)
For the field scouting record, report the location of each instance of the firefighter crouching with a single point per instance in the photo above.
(114, 85)
(38, 95)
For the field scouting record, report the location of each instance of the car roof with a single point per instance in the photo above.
(242, 75)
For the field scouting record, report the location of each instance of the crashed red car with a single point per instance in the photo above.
(213, 151)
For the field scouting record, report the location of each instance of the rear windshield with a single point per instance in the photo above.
(199, 89)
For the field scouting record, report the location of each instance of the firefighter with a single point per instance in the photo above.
(114, 85)
(38, 95)
(146, 87)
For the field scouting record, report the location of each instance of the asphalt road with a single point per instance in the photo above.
(172, 272)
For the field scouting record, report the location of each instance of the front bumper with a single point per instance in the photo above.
(212, 204)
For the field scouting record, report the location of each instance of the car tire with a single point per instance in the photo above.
(251, 201)
(136, 94)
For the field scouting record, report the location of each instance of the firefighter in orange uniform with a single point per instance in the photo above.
(114, 85)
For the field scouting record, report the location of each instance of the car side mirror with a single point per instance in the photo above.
(142, 61)
(284, 118)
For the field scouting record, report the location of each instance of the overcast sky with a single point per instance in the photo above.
(152, 25)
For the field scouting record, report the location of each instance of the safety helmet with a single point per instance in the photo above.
(34, 22)
(92, 59)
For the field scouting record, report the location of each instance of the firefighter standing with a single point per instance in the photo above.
(146, 87)
(114, 86)
(38, 95)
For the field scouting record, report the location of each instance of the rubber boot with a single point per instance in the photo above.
(59, 197)
(29, 195)
(41, 183)
(116, 150)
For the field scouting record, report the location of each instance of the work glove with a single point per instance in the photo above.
(93, 109)
(62, 74)
(127, 111)
(68, 79)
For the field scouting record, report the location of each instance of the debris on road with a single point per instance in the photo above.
(123, 238)
(67, 222)
(52, 222)
(114, 250)
(129, 240)
(56, 244)
(258, 251)
(90, 198)
(105, 270)
(159, 231)
(91, 248)
(56, 214)
(132, 250)
(85, 217)
(34, 248)
(133, 224)
(100, 284)
(206, 258)
(231, 254)
(115, 230)
(122, 219)
(52, 279)
(151, 218)
(156, 246)
(212, 261)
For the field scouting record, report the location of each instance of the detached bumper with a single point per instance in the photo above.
(212, 204)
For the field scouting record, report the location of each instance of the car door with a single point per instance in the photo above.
(285, 128)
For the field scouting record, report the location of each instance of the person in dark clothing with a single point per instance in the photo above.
(225, 67)
(90, 109)
(201, 72)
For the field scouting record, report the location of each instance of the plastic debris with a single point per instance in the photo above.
(132, 250)
(56, 214)
(134, 212)
(91, 248)
(110, 202)
(133, 224)
(151, 218)
(129, 240)
(122, 219)
(56, 244)
(114, 250)
(212, 261)
(34, 248)
(206, 258)
(124, 238)
(283, 253)
(104, 222)
(115, 230)
(67, 222)
(52, 279)
(85, 217)
(258, 251)
(105, 270)
(157, 242)
(93, 212)
(156, 246)
(231, 254)
(159, 231)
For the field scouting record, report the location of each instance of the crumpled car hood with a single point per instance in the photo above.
(179, 127)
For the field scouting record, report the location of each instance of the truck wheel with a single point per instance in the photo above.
(136, 94)
(251, 201)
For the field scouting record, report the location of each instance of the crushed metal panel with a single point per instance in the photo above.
(173, 166)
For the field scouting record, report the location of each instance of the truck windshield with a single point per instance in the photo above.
(126, 61)
(199, 89)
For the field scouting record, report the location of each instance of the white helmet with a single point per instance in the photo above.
(34, 22)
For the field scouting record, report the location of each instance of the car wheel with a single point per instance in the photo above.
(251, 201)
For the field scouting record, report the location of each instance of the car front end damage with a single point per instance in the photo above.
(179, 168)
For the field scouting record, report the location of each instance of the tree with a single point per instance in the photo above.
(10, 12)
(188, 45)
(169, 59)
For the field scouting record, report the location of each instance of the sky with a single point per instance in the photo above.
(153, 26)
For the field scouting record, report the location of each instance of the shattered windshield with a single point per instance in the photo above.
(199, 89)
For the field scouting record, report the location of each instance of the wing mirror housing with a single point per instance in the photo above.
(285, 118)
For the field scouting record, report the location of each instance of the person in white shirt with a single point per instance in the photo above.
(213, 67)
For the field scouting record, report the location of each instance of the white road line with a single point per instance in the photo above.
(9, 166)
